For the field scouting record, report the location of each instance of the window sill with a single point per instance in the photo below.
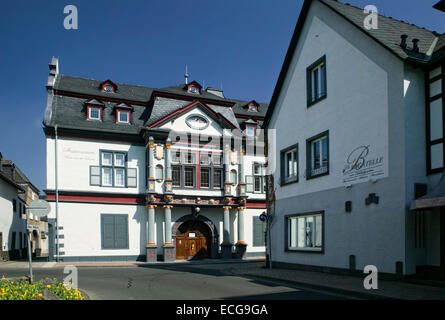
(311, 103)
(289, 181)
(317, 175)
(308, 250)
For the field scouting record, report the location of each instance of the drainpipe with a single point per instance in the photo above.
(57, 199)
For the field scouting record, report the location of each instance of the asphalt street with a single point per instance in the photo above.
(175, 282)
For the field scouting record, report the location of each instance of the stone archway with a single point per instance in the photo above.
(212, 231)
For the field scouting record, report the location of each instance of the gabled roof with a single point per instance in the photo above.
(388, 35)
(67, 108)
(221, 114)
(389, 30)
(94, 102)
(14, 176)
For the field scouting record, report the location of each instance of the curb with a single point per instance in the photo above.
(346, 292)
(145, 264)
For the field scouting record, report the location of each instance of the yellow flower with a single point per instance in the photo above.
(40, 294)
(48, 286)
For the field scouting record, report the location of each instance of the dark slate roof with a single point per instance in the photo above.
(389, 30)
(240, 107)
(70, 112)
(162, 107)
(179, 89)
(12, 174)
(91, 87)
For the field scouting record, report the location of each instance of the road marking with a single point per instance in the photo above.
(49, 265)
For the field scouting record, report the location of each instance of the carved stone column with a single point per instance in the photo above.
(168, 248)
(151, 166)
(168, 167)
(226, 245)
(226, 163)
(151, 241)
(242, 176)
(240, 246)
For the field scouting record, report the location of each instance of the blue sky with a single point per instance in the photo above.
(238, 45)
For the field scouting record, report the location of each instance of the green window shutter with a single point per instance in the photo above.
(94, 175)
(121, 232)
(114, 231)
(131, 177)
(259, 228)
(108, 231)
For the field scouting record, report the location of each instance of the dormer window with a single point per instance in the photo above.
(108, 86)
(123, 113)
(252, 106)
(193, 87)
(123, 116)
(94, 109)
(94, 113)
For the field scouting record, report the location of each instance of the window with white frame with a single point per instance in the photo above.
(94, 113)
(305, 232)
(318, 155)
(123, 116)
(316, 81)
(112, 171)
(289, 164)
(250, 131)
(259, 179)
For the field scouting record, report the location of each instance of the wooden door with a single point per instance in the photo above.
(192, 247)
(192, 244)
(181, 247)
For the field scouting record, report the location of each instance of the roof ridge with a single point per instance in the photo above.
(384, 16)
(119, 83)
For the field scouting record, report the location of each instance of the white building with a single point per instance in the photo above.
(16, 194)
(129, 189)
(363, 139)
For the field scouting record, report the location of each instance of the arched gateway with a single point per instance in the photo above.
(195, 237)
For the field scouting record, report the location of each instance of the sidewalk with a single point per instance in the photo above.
(346, 285)
(100, 264)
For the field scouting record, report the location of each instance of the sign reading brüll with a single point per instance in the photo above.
(363, 164)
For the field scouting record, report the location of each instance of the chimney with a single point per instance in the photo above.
(440, 6)
(403, 43)
(53, 72)
(416, 45)
(216, 92)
